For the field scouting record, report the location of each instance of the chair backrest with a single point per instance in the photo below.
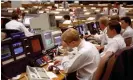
(103, 62)
(9, 31)
(123, 67)
(112, 62)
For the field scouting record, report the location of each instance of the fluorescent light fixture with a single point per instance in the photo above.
(87, 13)
(40, 11)
(93, 7)
(91, 18)
(58, 17)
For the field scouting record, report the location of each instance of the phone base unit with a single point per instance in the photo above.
(36, 73)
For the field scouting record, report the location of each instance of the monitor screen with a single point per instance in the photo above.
(94, 25)
(18, 49)
(48, 38)
(27, 20)
(57, 40)
(5, 52)
(36, 47)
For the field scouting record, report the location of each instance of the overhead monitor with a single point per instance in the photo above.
(47, 39)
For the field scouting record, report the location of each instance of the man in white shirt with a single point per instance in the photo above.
(67, 19)
(14, 24)
(117, 41)
(128, 31)
(119, 10)
(102, 37)
(85, 60)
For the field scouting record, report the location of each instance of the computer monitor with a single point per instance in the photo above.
(57, 40)
(92, 28)
(18, 49)
(47, 38)
(26, 20)
(6, 52)
(36, 45)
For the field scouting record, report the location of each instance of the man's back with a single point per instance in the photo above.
(90, 60)
(13, 24)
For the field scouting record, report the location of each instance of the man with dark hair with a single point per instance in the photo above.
(128, 31)
(66, 17)
(15, 25)
(117, 41)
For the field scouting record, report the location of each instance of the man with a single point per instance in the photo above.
(14, 24)
(85, 60)
(103, 38)
(128, 31)
(67, 19)
(119, 10)
(117, 41)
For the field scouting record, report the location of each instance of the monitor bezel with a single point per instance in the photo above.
(35, 54)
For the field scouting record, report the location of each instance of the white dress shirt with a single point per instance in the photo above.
(116, 43)
(103, 38)
(121, 12)
(67, 22)
(14, 24)
(85, 61)
(128, 33)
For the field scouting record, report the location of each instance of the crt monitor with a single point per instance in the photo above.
(48, 41)
(26, 20)
(18, 49)
(36, 45)
(57, 40)
(6, 52)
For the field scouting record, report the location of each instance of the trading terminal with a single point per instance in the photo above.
(66, 40)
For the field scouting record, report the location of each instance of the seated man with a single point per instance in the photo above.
(103, 38)
(14, 24)
(128, 31)
(117, 41)
(85, 59)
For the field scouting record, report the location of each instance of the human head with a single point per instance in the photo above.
(115, 17)
(66, 17)
(114, 28)
(15, 16)
(116, 4)
(125, 22)
(71, 38)
(109, 5)
(103, 22)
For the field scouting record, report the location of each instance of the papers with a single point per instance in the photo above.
(51, 75)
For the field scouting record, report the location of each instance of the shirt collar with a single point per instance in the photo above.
(116, 36)
(81, 44)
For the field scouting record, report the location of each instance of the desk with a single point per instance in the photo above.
(59, 76)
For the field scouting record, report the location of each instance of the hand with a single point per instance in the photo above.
(86, 36)
(100, 47)
(64, 45)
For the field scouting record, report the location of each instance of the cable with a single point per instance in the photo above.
(63, 75)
